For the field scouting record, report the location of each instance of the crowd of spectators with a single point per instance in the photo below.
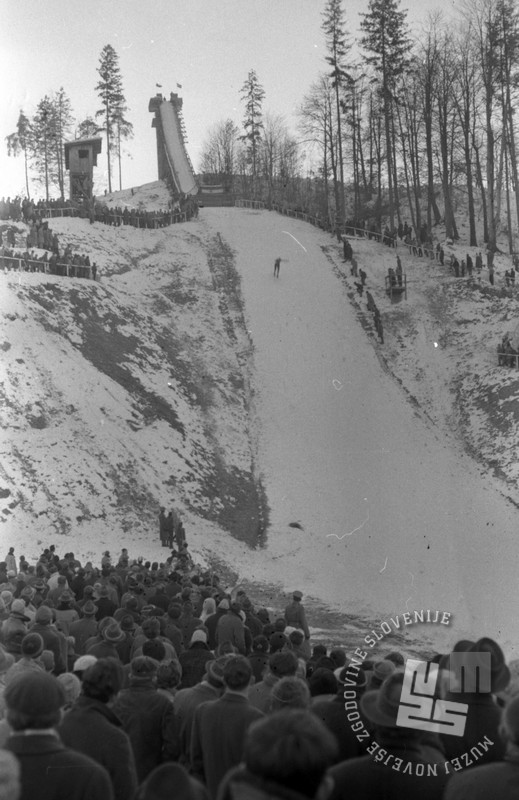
(49, 260)
(142, 681)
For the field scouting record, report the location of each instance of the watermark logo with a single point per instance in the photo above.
(420, 708)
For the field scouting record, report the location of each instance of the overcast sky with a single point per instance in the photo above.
(207, 46)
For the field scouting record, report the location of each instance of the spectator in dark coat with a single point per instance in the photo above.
(500, 780)
(333, 715)
(90, 727)
(230, 629)
(84, 628)
(219, 727)
(281, 665)
(483, 714)
(171, 781)
(186, 702)
(171, 630)
(366, 777)
(52, 639)
(147, 717)
(49, 770)
(259, 658)
(286, 756)
(211, 623)
(194, 660)
(107, 648)
(105, 606)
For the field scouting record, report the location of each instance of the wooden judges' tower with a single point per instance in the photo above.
(80, 160)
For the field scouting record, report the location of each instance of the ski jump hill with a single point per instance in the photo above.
(173, 160)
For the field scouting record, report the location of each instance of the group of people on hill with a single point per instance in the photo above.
(507, 355)
(133, 680)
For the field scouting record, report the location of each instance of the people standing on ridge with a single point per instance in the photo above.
(163, 527)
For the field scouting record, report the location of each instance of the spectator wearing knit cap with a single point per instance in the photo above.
(500, 780)
(92, 728)
(146, 716)
(49, 770)
(289, 693)
(193, 660)
(52, 639)
(31, 650)
(281, 665)
(219, 728)
(186, 702)
(84, 628)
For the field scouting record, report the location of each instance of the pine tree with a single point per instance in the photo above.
(335, 36)
(252, 93)
(110, 91)
(18, 142)
(62, 126)
(43, 143)
(387, 45)
(87, 129)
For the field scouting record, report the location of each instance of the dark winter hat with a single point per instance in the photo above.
(127, 623)
(43, 615)
(381, 671)
(297, 595)
(36, 694)
(66, 597)
(381, 705)
(89, 609)
(485, 650)
(113, 634)
(143, 668)
(39, 585)
(32, 645)
(167, 781)
(277, 641)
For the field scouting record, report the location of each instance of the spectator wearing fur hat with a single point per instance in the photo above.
(500, 780)
(84, 628)
(186, 702)
(146, 716)
(92, 728)
(281, 665)
(219, 728)
(286, 755)
(52, 639)
(366, 777)
(333, 715)
(483, 714)
(193, 660)
(230, 629)
(49, 770)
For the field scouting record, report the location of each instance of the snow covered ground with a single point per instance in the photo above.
(364, 445)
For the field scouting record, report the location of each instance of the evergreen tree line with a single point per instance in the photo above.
(398, 127)
(41, 138)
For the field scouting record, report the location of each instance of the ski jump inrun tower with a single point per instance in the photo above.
(173, 161)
